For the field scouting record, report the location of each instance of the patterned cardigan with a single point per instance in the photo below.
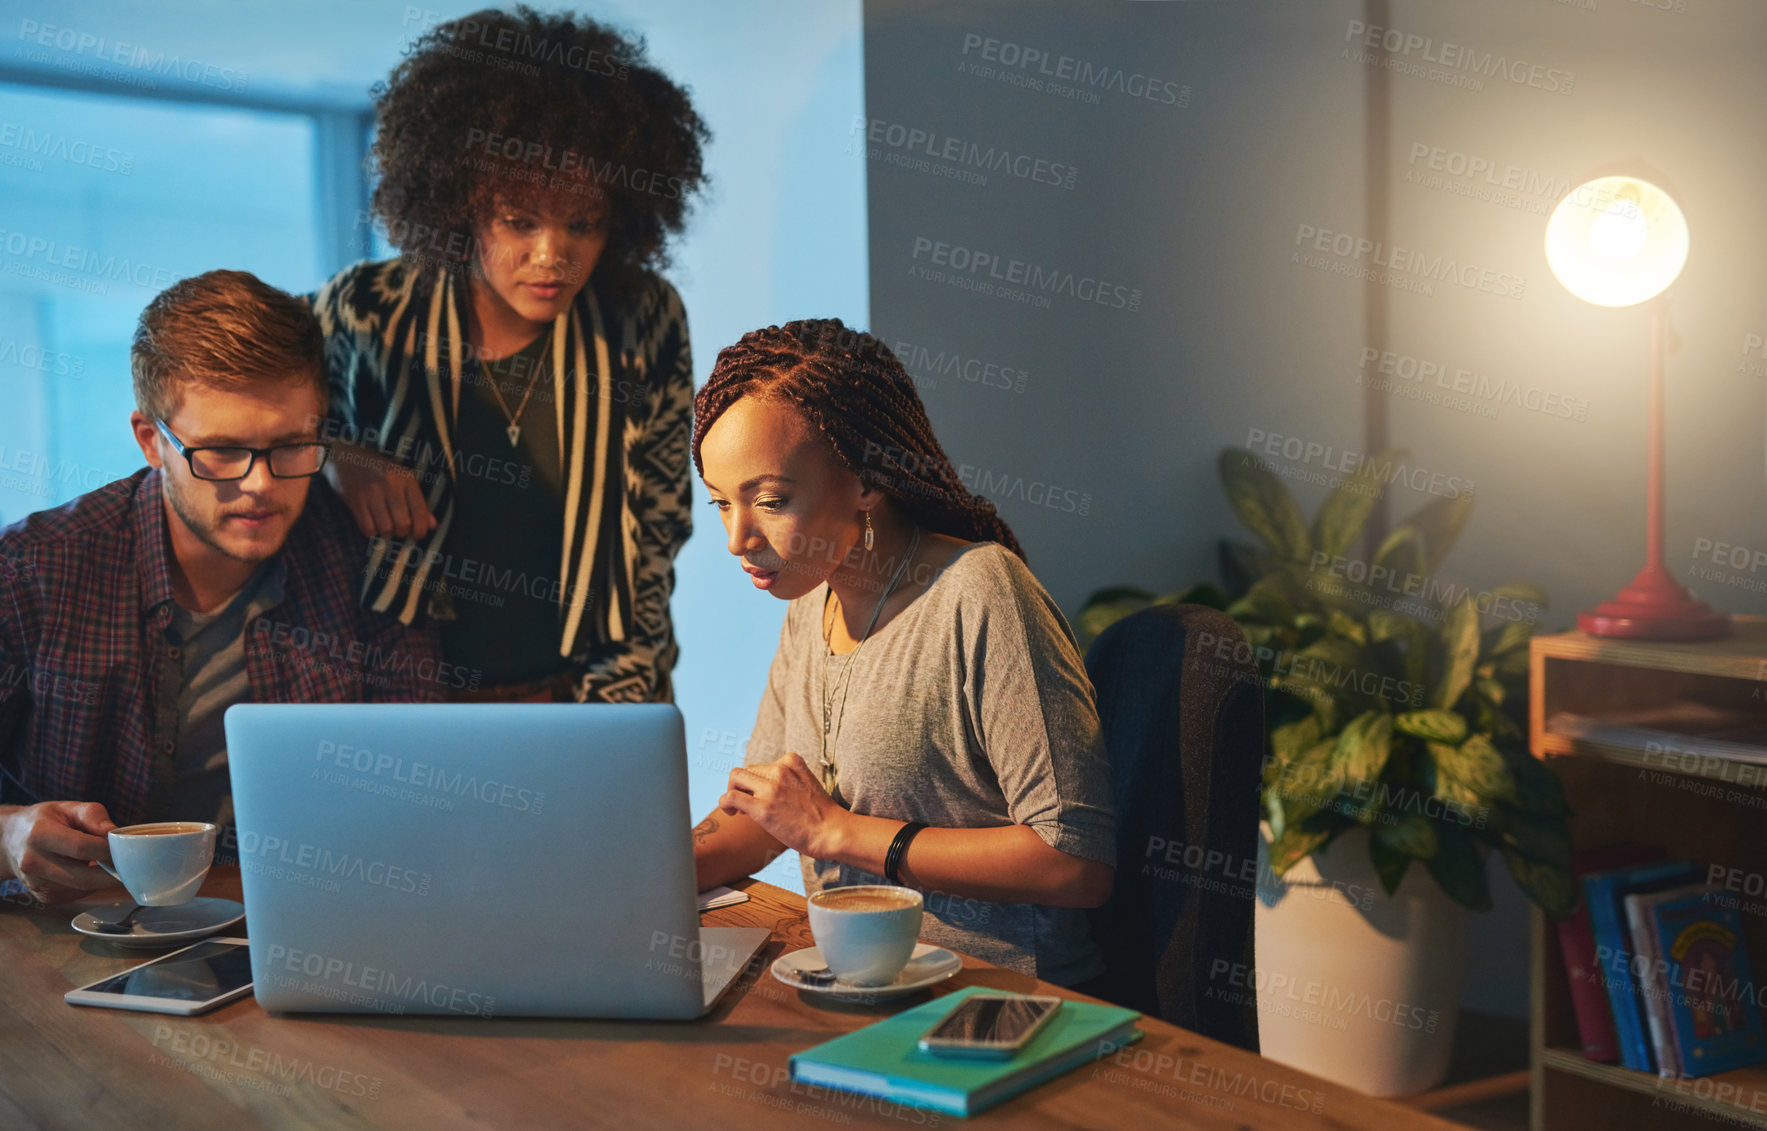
(397, 353)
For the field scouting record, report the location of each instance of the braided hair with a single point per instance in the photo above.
(850, 386)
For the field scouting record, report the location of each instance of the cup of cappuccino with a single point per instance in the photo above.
(866, 933)
(162, 863)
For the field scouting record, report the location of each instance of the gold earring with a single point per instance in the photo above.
(868, 532)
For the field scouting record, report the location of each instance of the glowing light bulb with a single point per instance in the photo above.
(1619, 233)
(1616, 241)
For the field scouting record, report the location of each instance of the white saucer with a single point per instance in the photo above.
(927, 966)
(164, 926)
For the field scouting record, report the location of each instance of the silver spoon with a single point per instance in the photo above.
(822, 977)
(121, 926)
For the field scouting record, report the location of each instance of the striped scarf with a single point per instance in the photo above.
(398, 354)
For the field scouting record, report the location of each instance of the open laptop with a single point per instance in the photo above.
(473, 860)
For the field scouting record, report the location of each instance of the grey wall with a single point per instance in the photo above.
(1197, 202)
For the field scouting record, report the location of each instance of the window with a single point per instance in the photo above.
(104, 202)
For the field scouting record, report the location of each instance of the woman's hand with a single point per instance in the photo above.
(788, 801)
(384, 496)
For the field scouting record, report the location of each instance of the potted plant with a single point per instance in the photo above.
(1395, 707)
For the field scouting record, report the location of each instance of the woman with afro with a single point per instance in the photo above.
(513, 392)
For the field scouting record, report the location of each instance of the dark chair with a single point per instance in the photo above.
(1181, 703)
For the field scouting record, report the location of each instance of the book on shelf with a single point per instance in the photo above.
(1686, 727)
(1701, 996)
(1652, 973)
(884, 1058)
(1604, 892)
(1576, 942)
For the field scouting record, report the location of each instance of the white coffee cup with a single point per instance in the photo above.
(866, 933)
(163, 862)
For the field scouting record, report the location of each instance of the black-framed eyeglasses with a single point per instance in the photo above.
(287, 461)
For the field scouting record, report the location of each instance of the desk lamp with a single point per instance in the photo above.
(1620, 241)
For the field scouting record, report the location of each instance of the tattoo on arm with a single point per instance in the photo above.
(703, 830)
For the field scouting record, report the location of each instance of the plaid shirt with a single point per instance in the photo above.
(85, 598)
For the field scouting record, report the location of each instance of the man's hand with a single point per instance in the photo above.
(384, 496)
(788, 801)
(50, 848)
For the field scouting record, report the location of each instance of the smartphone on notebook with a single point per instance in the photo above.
(995, 1026)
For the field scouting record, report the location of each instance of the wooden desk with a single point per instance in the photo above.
(62, 1066)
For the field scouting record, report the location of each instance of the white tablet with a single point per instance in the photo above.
(186, 982)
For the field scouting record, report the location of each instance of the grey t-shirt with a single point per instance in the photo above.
(215, 678)
(970, 709)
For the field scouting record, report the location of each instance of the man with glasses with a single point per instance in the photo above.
(224, 572)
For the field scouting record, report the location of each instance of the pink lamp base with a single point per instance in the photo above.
(1655, 607)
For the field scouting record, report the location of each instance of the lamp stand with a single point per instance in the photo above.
(1655, 606)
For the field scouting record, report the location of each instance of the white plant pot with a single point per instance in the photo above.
(1356, 986)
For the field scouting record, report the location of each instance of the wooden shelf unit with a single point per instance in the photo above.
(1703, 809)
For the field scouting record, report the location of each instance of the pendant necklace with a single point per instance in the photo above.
(514, 431)
(830, 727)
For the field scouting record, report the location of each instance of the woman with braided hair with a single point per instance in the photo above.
(927, 719)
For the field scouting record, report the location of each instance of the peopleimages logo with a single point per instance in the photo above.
(422, 775)
(86, 45)
(1303, 453)
(1451, 60)
(919, 147)
(379, 984)
(1414, 372)
(1403, 264)
(1085, 75)
(74, 151)
(975, 263)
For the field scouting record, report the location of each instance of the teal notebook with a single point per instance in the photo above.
(883, 1059)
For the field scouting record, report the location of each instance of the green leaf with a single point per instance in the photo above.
(1435, 725)
(1362, 748)
(1401, 554)
(1509, 638)
(1385, 624)
(1513, 666)
(1554, 889)
(1274, 812)
(1347, 626)
(1538, 790)
(1268, 600)
(1459, 868)
(1289, 742)
(1546, 841)
(1460, 652)
(1491, 689)
(1305, 783)
(1345, 511)
(1522, 593)
(1261, 501)
(1324, 671)
(1440, 522)
(1437, 775)
(1273, 636)
(1413, 835)
(1389, 864)
(1295, 845)
(1417, 661)
(1479, 766)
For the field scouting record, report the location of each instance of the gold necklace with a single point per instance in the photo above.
(514, 431)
